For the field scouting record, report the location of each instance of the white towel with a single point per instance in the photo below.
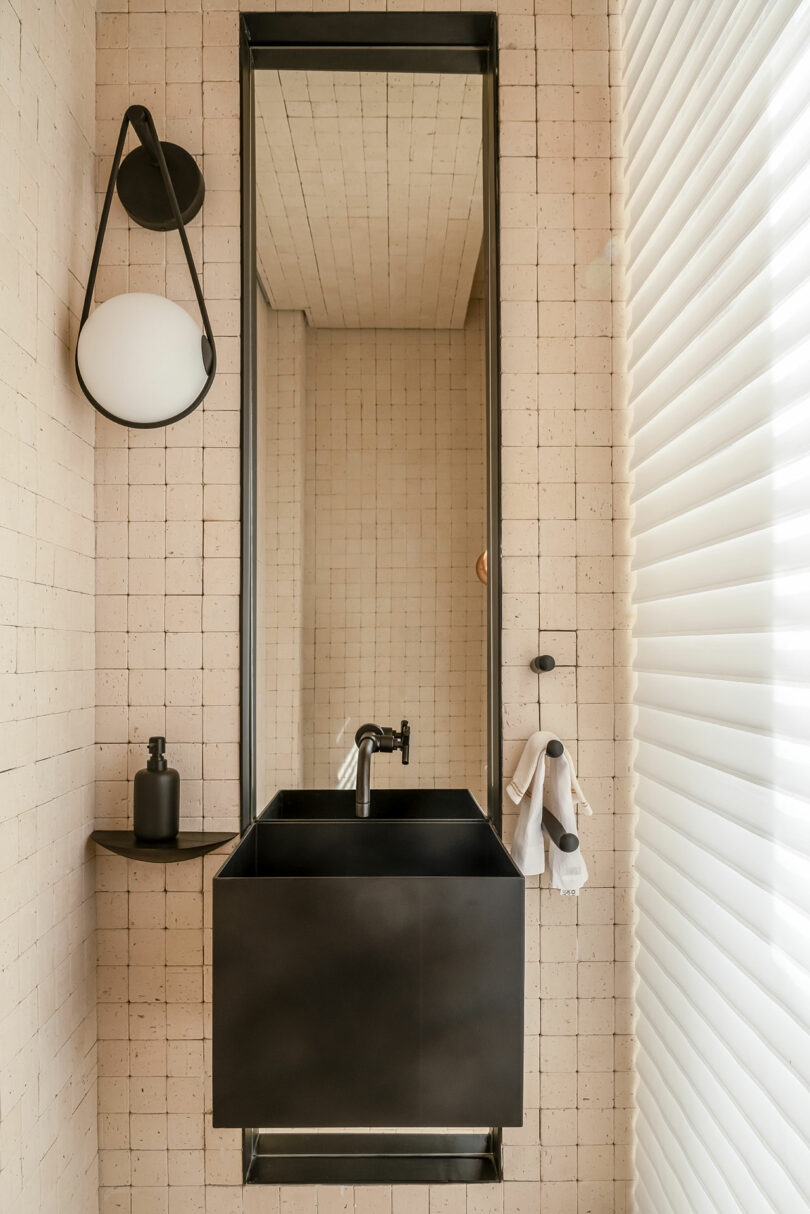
(568, 870)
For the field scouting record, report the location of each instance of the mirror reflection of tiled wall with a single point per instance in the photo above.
(369, 605)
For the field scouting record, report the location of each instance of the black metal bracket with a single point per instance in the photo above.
(376, 1158)
(151, 153)
(140, 183)
(400, 42)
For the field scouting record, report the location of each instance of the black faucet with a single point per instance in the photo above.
(370, 739)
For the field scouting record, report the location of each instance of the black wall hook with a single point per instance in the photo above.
(542, 664)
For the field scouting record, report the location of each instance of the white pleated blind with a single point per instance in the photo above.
(717, 137)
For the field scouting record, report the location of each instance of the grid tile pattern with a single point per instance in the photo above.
(395, 615)
(369, 196)
(281, 495)
(48, 1062)
(369, 607)
(168, 653)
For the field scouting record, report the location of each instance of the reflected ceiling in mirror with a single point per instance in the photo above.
(369, 196)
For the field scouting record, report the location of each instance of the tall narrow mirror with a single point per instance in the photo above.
(370, 602)
(371, 427)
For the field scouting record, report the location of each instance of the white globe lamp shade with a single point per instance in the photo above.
(140, 357)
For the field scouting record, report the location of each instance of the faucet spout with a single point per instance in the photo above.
(362, 801)
(370, 739)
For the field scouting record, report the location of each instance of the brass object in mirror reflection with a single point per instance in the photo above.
(481, 567)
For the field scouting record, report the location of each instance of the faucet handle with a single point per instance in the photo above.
(387, 740)
(403, 741)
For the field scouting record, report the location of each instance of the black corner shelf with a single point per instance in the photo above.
(187, 846)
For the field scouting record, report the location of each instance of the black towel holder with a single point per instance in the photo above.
(553, 826)
(558, 835)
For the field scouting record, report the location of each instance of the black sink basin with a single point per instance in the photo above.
(368, 972)
(368, 848)
(428, 803)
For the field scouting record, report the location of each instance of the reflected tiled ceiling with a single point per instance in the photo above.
(369, 204)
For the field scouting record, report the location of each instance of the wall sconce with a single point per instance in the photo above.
(140, 358)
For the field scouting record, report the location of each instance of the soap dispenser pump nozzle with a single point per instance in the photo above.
(157, 754)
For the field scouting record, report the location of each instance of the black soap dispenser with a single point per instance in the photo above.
(156, 804)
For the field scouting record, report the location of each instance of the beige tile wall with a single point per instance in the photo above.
(395, 617)
(369, 607)
(168, 646)
(281, 342)
(48, 1091)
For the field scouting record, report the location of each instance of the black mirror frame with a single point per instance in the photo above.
(400, 42)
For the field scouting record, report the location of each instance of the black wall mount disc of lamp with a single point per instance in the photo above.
(141, 360)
